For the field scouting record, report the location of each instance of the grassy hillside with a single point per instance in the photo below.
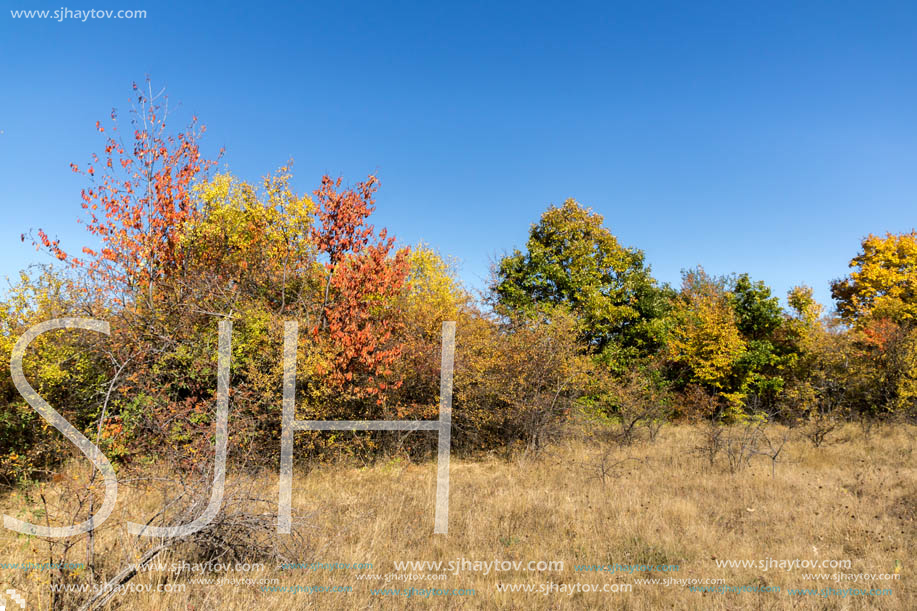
(659, 504)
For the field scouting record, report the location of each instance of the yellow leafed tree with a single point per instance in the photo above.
(705, 337)
(883, 283)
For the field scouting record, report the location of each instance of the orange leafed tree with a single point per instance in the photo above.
(139, 198)
(362, 279)
(143, 206)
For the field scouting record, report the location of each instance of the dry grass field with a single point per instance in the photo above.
(660, 503)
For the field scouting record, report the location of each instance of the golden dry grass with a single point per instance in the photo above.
(854, 499)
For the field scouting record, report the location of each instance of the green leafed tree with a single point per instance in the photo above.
(727, 336)
(758, 313)
(759, 319)
(572, 259)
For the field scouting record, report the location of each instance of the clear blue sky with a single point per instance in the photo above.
(760, 137)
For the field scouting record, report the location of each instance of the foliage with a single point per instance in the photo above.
(577, 320)
(760, 320)
(758, 314)
(66, 368)
(571, 259)
(139, 199)
(519, 380)
(705, 341)
(884, 281)
(888, 356)
(361, 286)
(641, 399)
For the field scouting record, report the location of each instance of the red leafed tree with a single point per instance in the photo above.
(362, 279)
(138, 199)
(880, 333)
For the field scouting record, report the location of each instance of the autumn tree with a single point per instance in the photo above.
(363, 277)
(705, 341)
(68, 369)
(571, 259)
(435, 293)
(887, 359)
(883, 283)
(138, 204)
(806, 310)
(254, 238)
(879, 299)
(432, 294)
(518, 379)
(139, 198)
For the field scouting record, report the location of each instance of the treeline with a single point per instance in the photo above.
(572, 327)
(723, 348)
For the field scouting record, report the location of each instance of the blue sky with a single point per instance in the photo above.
(759, 137)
